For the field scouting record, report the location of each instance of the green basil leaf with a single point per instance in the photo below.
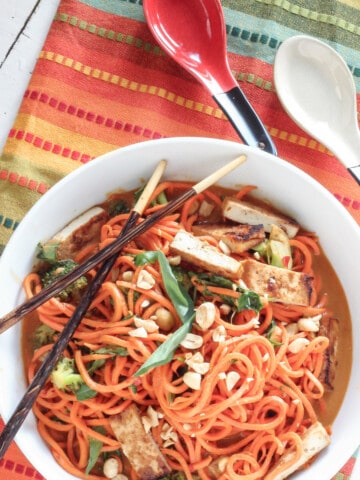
(85, 393)
(178, 295)
(214, 279)
(96, 364)
(113, 350)
(183, 304)
(165, 352)
(249, 300)
(94, 453)
(145, 258)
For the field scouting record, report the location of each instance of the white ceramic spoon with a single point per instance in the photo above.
(317, 90)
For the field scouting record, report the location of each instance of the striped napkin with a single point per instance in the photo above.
(101, 82)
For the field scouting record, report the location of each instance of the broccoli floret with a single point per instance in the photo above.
(64, 375)
(43, 335)
(58, 270)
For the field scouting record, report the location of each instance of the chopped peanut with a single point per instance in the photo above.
(149, 325)
(192, 380)
(138, 332)
(292, 328)
(196, 362)
(298, 345)
(205, 315)
(164, 319)
(128, 276)
(111, 468)
(192, 341)
(151, 419)
(219, 334)
(309, 324)
(231, 379)
(145, 280)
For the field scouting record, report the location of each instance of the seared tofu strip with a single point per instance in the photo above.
(79, 232)
(193, 250)
(238, 238)
(329, 327)
(241, 211)
(138, 446)
(314, 440)
(278, 284)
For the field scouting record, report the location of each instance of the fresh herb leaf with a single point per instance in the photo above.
(133, 388)
(165, 352)
(109, 350)
(175, 290)
(85, 393)
(146, 257)
(182, 303)
(94, 453)
(117, 207)
(113, 350)
(214, 280)
(249, 300)
(182, 277)
(96, 364)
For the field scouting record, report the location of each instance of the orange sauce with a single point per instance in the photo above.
(337, 303)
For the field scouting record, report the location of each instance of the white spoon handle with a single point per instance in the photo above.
(347, 149)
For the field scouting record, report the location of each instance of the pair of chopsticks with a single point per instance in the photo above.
(107, 257)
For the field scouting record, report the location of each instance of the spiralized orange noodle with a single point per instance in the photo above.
(227, 405)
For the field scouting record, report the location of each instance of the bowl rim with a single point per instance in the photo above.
(174, 147)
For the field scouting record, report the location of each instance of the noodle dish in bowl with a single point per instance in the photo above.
(222, 343)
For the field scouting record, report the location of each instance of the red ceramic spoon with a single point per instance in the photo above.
(193, 33)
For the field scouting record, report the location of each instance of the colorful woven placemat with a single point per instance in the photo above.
(101, 82)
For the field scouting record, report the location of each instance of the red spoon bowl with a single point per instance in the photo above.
(193, 33)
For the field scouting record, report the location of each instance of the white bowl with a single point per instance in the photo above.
(189, 159)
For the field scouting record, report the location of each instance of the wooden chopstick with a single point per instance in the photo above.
(129, 232)
(45, 294)
(48, 365)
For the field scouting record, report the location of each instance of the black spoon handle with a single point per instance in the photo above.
(355, 172)
(245, 120)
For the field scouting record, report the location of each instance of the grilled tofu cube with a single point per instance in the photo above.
(241, 211)
(314, 440)
(200, 253)
(278, 284)
(78, 233)
(138, 446)
(238, 238)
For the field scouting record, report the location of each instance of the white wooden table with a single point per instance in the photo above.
(23, 28)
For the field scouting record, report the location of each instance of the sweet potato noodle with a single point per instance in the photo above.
(256, 393)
